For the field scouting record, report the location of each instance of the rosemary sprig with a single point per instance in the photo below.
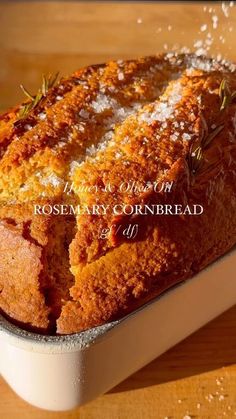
(226, 95)
(34, 100)
(196, 151)
(26, 92)
(195, 159)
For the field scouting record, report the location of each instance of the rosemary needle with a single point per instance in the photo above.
(34, 100)
(226, 96)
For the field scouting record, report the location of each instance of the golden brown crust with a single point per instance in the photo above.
(134, 121)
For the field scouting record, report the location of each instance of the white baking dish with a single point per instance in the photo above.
(60, 373)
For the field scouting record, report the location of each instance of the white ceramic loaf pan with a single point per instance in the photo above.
(60, 373)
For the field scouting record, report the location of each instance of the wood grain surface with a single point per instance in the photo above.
(197, 378)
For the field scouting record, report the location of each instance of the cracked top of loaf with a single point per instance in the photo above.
(155, 119)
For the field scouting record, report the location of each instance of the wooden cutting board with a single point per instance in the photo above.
(197, 378)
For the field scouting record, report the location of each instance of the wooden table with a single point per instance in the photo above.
(197, 378)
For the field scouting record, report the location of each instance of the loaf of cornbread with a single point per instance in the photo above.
(169, 120)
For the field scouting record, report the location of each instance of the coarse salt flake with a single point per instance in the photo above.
(121, 75)
(186, 136)
(52, 179)
(225, 9)
(102, 103)
(198, 44)
(42, 116)
(84, 114)
(215, 21)
(28, 127)
(203, 28)
(174, 136)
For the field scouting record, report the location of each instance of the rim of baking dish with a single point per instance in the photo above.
(78, 341)
(67, 343)
(53, 343)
